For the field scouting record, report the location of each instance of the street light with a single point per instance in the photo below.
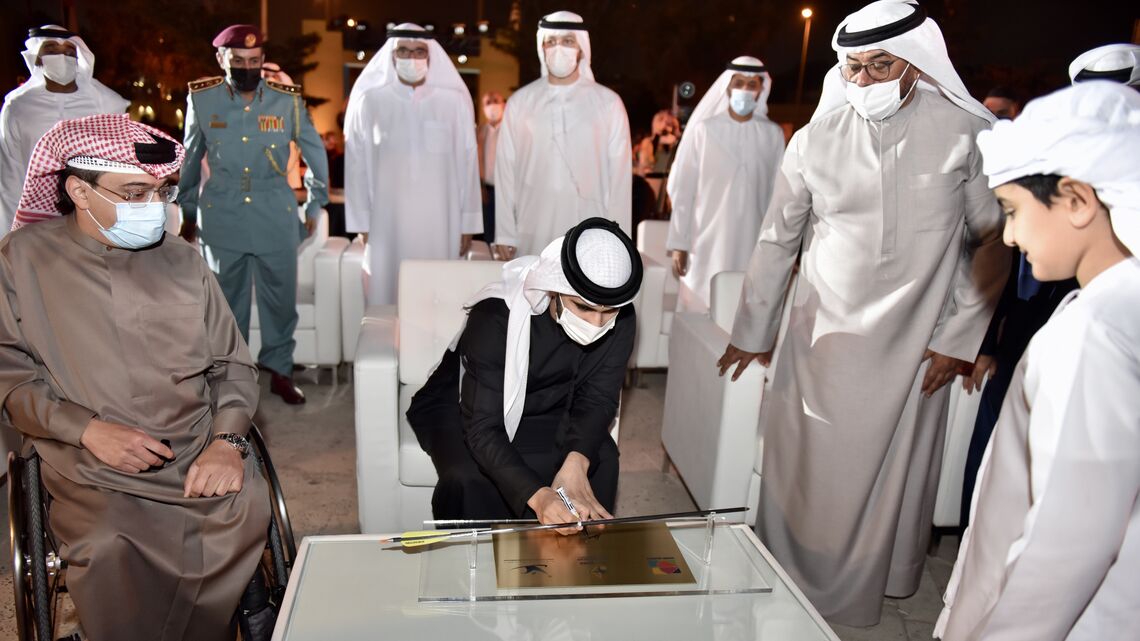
(806, 13)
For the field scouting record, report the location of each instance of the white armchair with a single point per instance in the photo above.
(318, 332)
(351, 296)
(711, 424)
(398, 347)
(657, 299)
(352, 289)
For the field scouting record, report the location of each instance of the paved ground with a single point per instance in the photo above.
(313, 447)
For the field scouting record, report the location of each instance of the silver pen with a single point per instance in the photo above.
(569, 504)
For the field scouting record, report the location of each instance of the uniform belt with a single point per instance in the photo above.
(246, 184)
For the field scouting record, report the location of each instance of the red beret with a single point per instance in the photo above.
(239, 36)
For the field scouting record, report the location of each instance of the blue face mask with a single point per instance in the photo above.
(742, 102)
(135, 227)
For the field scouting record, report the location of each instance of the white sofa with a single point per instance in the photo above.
(398, 347)
(318, 332)
(711, 424)
(657, 299)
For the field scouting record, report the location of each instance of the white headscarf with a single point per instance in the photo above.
(86, 66)
(527, 284)
(921, 45)
(580, 34)
(1085, 132)
(715, 100)
(1121, 58)
(381, 70)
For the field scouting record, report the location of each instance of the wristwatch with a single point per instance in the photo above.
(236, 441)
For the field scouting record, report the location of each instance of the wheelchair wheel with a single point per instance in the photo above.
(35, 570)
(280, 521)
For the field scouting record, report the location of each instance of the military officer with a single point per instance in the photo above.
(246, 214)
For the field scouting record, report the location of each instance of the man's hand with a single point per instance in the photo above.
(127, 449)
(464, 244)
(573, 479)
(985, 366)
(503, 252)
(217, 471)
(680, 262)
(733, 355)
(942, 370)
(310, 226)
(189, 233)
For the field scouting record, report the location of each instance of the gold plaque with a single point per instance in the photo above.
(250, 40)
(628, 554)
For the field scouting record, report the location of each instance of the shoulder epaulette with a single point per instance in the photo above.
(205, 83)
(284, 87)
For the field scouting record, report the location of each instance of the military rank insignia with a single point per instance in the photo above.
(271, 123)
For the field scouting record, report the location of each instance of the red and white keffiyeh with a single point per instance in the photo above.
(106, 137)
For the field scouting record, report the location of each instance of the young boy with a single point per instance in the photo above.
(1053, 550)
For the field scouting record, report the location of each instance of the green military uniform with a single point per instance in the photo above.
(247, 213)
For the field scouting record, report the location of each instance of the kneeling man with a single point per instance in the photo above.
(522, 404)
(121, 362)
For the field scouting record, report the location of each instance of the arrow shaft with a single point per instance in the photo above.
(675, 516)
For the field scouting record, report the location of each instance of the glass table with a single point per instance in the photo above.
(353, 587)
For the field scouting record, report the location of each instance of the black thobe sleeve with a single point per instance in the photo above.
(597, 389)
(483, 348)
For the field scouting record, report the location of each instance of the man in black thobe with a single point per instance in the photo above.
(538, 369)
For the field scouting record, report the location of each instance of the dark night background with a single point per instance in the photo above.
(641, 49)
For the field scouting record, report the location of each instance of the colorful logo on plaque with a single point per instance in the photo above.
(664, 566)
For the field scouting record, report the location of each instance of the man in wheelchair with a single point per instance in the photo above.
(122, 364)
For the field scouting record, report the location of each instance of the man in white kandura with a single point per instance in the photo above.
(721, 181)
(1118, 63)
(411, 173)
(563, 153)
(900, 269)
(61, 87)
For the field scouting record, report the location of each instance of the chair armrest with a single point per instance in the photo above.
(376, 388)
(711, 422)
(326, 301)
(351, 296)
(649, 309)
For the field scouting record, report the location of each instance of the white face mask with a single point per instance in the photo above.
(580, 330)
(135, 227)
(561, 61)
(411, 70)
(494, 112)
(878, 101)
(742, 102)
(59, 68)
